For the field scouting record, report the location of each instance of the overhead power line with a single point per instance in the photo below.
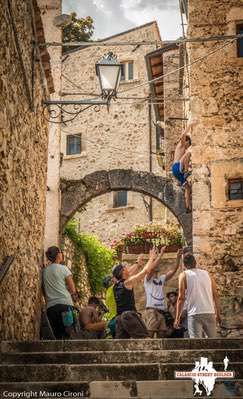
(208, 54)
(200, 39)
(173, 71)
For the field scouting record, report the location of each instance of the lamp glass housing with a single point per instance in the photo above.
(108, 70)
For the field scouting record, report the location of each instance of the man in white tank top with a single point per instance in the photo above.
(198, 288)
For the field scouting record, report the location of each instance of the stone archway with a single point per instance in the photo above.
(76, 193)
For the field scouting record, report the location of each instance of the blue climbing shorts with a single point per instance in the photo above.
(180, 176)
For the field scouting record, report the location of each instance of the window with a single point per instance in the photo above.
(127, 71)
(120, 199)
(123, 71)
(235, 189)
(73, 144)
(239, 31)
(130, 71)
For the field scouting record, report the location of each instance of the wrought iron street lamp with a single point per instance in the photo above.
(108, 70)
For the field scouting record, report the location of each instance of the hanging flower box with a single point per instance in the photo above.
(143, 238)
(144, 249)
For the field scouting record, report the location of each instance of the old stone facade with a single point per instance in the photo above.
(76, 193)
(168, 102)
(173, 105)
(216, 86)
(23, 166)
(49, 11)
(119, 139)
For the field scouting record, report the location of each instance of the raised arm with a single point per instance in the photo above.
(172, 272)
(132, 280)
(187, 130)
(137, 266)
(156, 263)
(180, 300)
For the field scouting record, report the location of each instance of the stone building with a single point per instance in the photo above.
(25, 81)
(50, 11)
(216, 87)
(170, 101)
(124, 138)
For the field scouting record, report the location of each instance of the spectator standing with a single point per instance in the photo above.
(198, 288)
(171, 308)
(128, 322)
(154, 314)
(59, 290)
(110, 302)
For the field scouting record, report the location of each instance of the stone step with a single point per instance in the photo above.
(101, 372)
(149, 356)
(120, 345)
(172, 389)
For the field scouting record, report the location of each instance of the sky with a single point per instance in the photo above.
(115, 16)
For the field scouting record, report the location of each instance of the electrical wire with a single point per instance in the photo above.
(180, 68)
(101, 43)
(186, 66)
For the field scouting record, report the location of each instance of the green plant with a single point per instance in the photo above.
(154, 234)
(99, 258)
(78, 30)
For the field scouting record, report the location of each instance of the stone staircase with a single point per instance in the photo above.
(104, 369)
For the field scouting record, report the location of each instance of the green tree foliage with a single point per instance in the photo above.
(79, 30)
(99, 258)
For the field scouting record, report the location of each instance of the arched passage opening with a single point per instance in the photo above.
(77, 193)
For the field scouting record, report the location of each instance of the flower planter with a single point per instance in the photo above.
(135, 249)
(147, 246)
(142, 239)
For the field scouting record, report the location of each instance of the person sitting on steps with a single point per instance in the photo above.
(91, 321)
(182, 157)
(128, 322)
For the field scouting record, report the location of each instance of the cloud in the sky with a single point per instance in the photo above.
(153, 4)
(114, 16)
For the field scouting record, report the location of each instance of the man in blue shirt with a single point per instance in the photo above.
(59, 290)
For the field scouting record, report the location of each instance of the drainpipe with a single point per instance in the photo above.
(150, 156)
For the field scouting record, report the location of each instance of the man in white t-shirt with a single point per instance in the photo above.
(155, 300)
(198, 288)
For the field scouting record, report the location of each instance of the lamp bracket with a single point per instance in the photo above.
(65, 111)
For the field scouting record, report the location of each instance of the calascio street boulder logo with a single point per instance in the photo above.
(204, 375)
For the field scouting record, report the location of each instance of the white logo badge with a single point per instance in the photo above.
(204, 374)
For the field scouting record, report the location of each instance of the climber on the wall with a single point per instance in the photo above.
(182, 157)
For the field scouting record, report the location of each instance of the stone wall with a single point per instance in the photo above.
(52, 33)
(216, 90)
(23, 164)
(108, 223)
(78, 269)
(173, 105)
(118, 139)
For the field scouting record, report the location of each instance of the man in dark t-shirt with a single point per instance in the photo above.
(128, 322)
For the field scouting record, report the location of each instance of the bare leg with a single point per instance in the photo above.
(185, 161)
